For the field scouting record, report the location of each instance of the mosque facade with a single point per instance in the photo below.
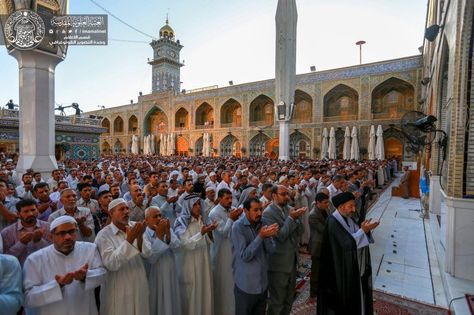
(240, 118)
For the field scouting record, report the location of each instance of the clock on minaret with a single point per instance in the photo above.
(166, 67)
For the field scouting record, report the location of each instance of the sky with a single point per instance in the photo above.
(223, 40)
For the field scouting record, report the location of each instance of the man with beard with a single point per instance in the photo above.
(120, 244)
(160, 266)
(44, 203)
(137, 204)
(251, 245)
(24, 191)
(83, 216)
(115, 190)
(28, 234)
(188, 189)
(283, 261)
(61, 278)
(221, 252)
(345, 275)
(168, 206)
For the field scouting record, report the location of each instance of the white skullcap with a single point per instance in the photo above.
(209, 189)
(212, 174)
(283, 178)
(61, 220)
(116, 202)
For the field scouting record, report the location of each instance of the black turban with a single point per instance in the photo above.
(342, 198)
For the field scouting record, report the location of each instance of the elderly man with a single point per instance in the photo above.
(345, 277)
(283, 261)
(192, 260)
(28, 234)
(210, 201)
(120, 244)
(83, 216)
(137, 204)
(61, 278)
(168, 206)
(221, 252)
(228, 184)
(11, 293)
(160, 266)
(251, 245)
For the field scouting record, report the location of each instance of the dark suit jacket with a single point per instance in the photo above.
(317, 222)
(285, 256)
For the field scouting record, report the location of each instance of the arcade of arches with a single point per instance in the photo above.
(389, 99)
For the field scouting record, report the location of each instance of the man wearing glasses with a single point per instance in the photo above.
(283, 261)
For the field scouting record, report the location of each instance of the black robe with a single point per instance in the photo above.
(340, 281)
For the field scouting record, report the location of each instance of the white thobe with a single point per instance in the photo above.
(43, 295)
(126, 288)
(194, 271)
(221, 258)
(162, 277)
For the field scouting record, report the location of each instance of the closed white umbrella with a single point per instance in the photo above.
(332, 144)
(354, 145)
(379, 147)
(134, 144)
(204, 144)
(152, 144)
(145, 145)
(346, 151)
(173, 144)
(371, 148)
(324, 144)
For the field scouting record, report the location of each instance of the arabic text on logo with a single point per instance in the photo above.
(24, 29)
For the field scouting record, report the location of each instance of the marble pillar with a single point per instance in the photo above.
(285, 69)
(37, 122)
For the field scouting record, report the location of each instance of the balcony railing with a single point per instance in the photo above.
(204, 126)
(73, 120)
(393, 115)
(182, 128)
(260, 123)
(232, 124)
(305, 120)
(340, 118)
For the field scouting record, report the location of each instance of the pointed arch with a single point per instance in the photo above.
(118, 124)
(132, 124)
(300, 145)
(258, 145)
(181, 119)
(204, 116)
(231, 114)
(261, 111)
(106, 148)
(118, 147)
(341, 103)
(392, 98)
(230, 145)
(106, 124)
(303, 107)
(199, 146)
(155, 121)
(182, 146)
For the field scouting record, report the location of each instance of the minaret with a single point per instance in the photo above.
(165, 63)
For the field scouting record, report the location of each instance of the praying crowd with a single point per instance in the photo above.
(138, 235)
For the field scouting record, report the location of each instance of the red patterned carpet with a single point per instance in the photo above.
(384, 303)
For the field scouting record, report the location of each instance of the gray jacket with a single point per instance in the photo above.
(285, 256)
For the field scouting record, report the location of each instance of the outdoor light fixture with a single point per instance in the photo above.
(312, 68)
(231, 82)
(432, 31)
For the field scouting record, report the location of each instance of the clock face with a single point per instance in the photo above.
(171, 53)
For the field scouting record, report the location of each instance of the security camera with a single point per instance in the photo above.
(426, 123)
